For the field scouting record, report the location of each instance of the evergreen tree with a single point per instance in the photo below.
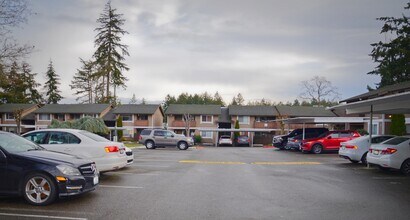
(393, 56)
(398, 125)
(51, 86)
(31, 92)
(84, 83)
(110, 52)
(218, 100)
(133, 99)
(143, 101)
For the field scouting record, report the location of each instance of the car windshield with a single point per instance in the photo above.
(94, 136)
(396, 140)
(16, 144)
(324, 135)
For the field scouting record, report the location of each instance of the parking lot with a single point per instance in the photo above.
(232, 183)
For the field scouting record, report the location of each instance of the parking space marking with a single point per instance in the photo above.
(40, 216)
(121, 187)
(149, 165)
(211, 162)
(287, 163)
(143, 174)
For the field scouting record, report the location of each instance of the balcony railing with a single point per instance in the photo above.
(182, 124)
(141, 123)
(269, 125)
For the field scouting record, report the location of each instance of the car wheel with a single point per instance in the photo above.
(39, 189)
(287, 147)
(150, 145)
(364, 158)
(354, 161)
(317, 149)
(182, 145)
(405, 167)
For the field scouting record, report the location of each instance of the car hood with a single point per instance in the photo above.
(51, 157)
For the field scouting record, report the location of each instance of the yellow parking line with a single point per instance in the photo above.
(287, 163)
(211, 162)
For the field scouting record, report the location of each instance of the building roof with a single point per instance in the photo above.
(178, 109)
(73, 108)
(224, 117)
(9, 108)
(110, 116)
(252, 110)
(304, 111)
(136, 109)
(387, 90)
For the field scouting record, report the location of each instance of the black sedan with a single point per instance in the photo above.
(42, 176)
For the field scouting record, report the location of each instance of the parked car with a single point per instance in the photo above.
(294, 143)
(39, 175)
(329, 141)
(153, 138)
(225, 140)
(280, 141)
(243, 140)
(356, 149)
(106, 154)
(130, 155)
(393, 153)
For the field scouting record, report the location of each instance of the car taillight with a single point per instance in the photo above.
(140, 137)
(112, 149)
(389, 151)
(351, 147)
(370, 150)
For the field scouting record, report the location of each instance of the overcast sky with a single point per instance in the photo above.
(260, 48)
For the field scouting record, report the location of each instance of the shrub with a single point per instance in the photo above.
(362, 132)
(197, 138)
(398, 125)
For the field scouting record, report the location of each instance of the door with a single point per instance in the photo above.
(159, 138)
(332, 141)
(63, 142)
(3, 172)
(170, 139)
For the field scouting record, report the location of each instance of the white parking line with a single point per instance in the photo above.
(148, 165)
(40, 216)
(143, 174)
(121, 187)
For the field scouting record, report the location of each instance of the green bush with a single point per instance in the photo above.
(120, 133)
(197, 138)
(398, 125)
(362, 132)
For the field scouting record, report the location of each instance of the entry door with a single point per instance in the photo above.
(159, 138)
(332, 141)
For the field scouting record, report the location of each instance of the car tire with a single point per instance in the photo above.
(287, 147)
(354, 161)
(364, 159)
(39, 189)
(150, 145)
(182, 145)
(317, 149)
(405, 167)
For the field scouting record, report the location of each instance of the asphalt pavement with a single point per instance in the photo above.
(232, 183)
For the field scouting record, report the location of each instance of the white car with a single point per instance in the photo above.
(356, 150)
(393, 153)
(130, 155)
(106, 154)
(225, 140)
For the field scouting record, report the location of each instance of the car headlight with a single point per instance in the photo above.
(68, 170)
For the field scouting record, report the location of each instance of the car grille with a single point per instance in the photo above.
(129, 153)
(88, 169)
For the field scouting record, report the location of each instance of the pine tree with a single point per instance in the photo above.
(218, 100)
(51, 86)
(84, 83)
(110, 52)
(31, 92)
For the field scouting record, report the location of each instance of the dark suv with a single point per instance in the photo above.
(280, 141)
(153, 138)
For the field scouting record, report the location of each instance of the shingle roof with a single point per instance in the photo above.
(252, 110)
(9, 108)
(110, 116)
(387, 90)
(224, 117)
(73, 108)
(304, 111)
(193, 109)
(136, 109)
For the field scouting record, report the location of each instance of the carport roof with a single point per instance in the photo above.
(322, 120)
(179, 109)
(252, 110)
(73, 108)
(136, 109)
(304, 111)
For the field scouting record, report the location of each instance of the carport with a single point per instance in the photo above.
(250, 130)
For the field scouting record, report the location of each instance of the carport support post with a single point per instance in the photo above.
(251, 137)
(370, 129)
(303, 135)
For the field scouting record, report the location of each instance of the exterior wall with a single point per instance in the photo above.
(157, 118)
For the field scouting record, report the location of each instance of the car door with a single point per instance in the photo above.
(332, 142)
(63, 142)
(170, 139)
(159, 138)
(343, 137)
(3, 172)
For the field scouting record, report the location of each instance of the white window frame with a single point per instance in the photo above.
(207, 132)
(207, 122)
(243, 116)
(38, 117)
(9, 119)
(132, 117)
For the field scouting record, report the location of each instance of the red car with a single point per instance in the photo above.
(329, 141)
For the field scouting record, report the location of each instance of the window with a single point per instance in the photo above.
(38, 137)
(60, 117)
(178, 117)
(346, 134)
(243, 120)
(159, 133)
(396, 140)
(9, 116)
(168, 134)
(146, 132)
(75, 116)
(91, 115)
(127, 117)
(264, 118)
(334, 135)
(206, 134)
(206, 118)
(63, 138)
(44, 117)
(142, 117)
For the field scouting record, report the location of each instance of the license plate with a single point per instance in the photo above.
(95, 180)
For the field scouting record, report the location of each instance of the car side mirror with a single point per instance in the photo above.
(172, 135)
(329, 137)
